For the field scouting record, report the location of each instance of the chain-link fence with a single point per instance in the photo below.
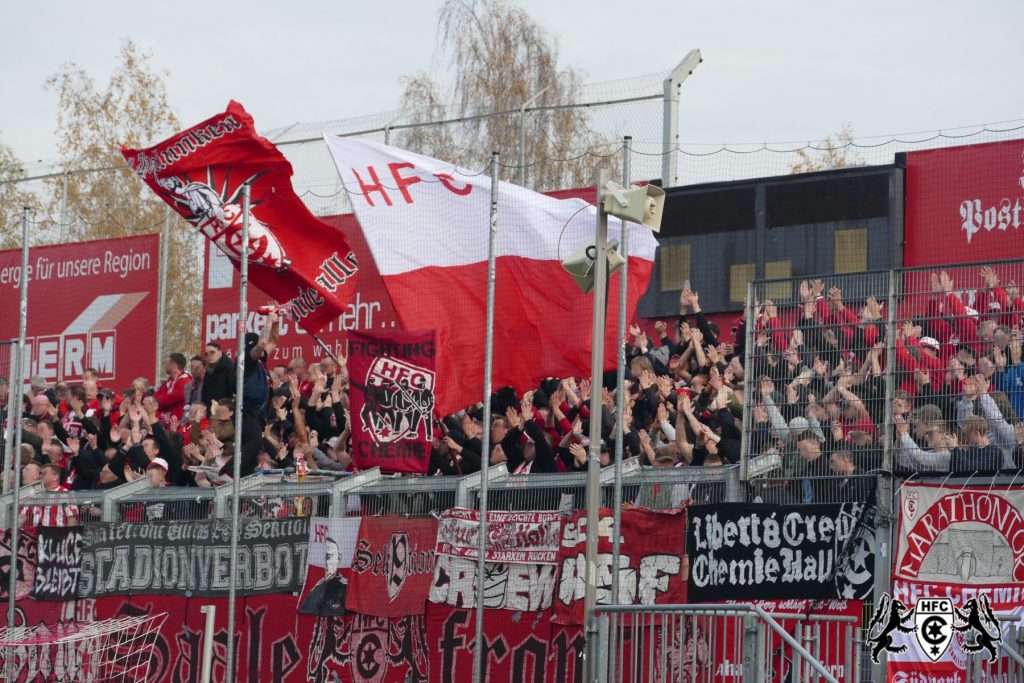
(914, 371)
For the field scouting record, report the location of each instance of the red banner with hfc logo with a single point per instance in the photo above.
(392, 399)
(295, 257)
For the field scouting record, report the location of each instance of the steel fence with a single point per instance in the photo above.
(1008, 666)
(741, 642)
(911, 371)
(275, 496)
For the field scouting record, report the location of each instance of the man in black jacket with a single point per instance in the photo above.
(219, 380)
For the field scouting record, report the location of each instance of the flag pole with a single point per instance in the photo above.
(243, 314)
(480, 650)
(324, 346)
(620, 379)
(590, 664)
(14, 426)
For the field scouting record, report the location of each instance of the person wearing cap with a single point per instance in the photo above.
(156, 472)
(170, 396)
(256, 390)
(918, 354)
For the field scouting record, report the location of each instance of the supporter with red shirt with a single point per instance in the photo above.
(170, 396)
(51, 515)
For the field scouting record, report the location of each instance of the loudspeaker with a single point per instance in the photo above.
(580, 265)
(642, 205)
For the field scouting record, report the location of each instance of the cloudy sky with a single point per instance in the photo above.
(773, 71)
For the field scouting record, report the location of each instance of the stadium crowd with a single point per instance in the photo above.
(818, 398)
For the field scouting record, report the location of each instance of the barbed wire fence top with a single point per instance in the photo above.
(605, 111)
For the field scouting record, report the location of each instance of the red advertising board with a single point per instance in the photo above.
(965, 204)
(90, 304)
(370, 309)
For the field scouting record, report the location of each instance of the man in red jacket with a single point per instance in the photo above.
(170, 396)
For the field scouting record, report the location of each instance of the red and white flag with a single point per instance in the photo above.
(427, 224)
(294, 257)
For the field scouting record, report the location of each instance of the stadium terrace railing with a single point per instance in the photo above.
(370, 493)
(741, 642)
(1010, 664)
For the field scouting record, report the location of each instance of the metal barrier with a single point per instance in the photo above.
(655, 488)
(782, 490)
(1009, 665)
(370, 493)
(741, 642)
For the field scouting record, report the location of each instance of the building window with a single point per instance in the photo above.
(675, 266)
(740, 275)
(851, 251)
(775, 270)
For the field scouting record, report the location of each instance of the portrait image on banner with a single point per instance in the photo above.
(391, 397)
(23, 564)
(332, 542)
(296, 258)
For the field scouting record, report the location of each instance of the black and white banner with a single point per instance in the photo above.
(191, 558)
(58, 563)
(507, 585)
(768, 552)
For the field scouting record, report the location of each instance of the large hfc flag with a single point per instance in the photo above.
(294, 257)
(427, 224)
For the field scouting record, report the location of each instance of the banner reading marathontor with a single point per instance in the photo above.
(392, 400)
(191, 557)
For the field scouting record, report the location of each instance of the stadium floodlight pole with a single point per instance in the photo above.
(14, 423)
(161, 298)
(522, 134)
(594, 458)
(236, 475)
(480, 651)
(670, 117)
(620, 378)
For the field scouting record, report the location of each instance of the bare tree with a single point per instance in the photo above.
(501, 58)
(835, 151)
(12, 198)
(93, 122)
